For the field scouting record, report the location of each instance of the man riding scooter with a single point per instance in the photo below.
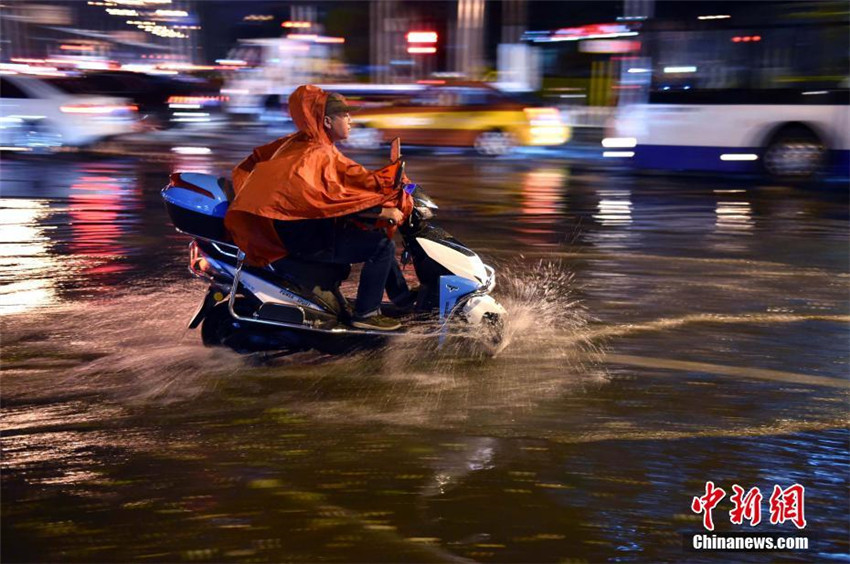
(296, 197)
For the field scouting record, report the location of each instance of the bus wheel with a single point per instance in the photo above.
(794, 154)
(494, 143)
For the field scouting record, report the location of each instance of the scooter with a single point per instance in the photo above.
(296, 304)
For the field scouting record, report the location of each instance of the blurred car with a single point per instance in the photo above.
(462, 115)
(35, 114)
(273, 109)
(163, 101)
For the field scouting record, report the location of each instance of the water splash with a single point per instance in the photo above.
(545, 320)
(134, 347)
(418, 381)
(542, 304)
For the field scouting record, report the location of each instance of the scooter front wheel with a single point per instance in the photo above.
(492, 330)
(488, 318)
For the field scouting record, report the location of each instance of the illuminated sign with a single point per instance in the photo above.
(609, 46)
(592, 30)
(422, 37)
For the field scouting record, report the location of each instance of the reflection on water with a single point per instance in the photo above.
(614, 208)
(542, 202)
(733, 224)
(734, 216)
(613, 213)
(542, 191)
(104, 210)
(26, 264)
(65, 227)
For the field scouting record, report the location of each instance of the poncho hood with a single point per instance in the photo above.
(307, 109)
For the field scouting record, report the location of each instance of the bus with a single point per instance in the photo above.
(764, 91)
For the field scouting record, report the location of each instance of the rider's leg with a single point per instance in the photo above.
(377, 253)
(397, 289)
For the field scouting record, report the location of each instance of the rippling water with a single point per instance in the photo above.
(663, 333)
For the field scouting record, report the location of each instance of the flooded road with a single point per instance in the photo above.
(664, 332)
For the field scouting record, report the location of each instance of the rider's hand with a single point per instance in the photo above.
(393, 214)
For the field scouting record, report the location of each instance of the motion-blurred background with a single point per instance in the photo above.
(493, 76)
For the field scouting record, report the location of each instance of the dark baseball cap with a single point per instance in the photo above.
(337, 104)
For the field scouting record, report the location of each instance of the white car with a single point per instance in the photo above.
(38, 115)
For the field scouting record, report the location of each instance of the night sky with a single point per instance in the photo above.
(223, 24)
(223, 20)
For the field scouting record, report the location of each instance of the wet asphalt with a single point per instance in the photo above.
(665, 331)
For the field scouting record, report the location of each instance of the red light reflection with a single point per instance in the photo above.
(541, 207)
(99, 207)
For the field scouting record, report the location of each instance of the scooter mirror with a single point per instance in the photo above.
(395, 149)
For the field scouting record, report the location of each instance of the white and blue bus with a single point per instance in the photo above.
(764, 93)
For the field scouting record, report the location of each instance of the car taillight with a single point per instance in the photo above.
(97, 108)
(546, 126)
(543, 116)
(197, 99)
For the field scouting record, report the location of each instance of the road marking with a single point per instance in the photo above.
(782, 269)
(664, 324)
(725, 370)
(767, 429)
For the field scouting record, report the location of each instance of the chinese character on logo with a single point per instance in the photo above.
(708, 502)
(788, 505)
(746, 506)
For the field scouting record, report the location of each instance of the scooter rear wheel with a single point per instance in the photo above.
(220, 329)
(219, 326)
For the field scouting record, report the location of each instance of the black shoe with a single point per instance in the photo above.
(376, 323)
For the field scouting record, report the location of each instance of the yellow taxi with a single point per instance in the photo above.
(459, 115)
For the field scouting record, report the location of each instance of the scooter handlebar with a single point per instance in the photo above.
(375, 217)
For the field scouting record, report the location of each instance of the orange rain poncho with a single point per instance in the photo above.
(302, 176)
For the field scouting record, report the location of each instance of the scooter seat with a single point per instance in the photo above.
(316, 282)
